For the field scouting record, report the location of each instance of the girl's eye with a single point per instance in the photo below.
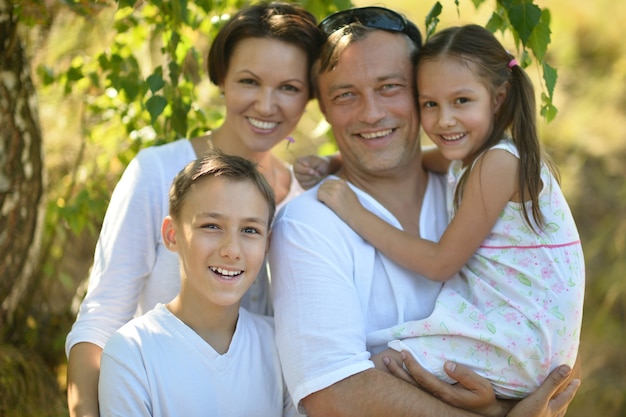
(428, 104)
(251, 230)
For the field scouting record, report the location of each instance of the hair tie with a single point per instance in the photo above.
(512, 63)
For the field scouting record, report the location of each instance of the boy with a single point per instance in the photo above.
(201, 354)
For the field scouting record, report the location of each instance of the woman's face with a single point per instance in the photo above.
(266, 90)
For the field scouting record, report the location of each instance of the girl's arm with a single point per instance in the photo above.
(311, 169)
(490, 185)
(433, 160)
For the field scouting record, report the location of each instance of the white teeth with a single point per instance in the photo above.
(453, 137)
(224, 272)
(375, 135)
(260, 124)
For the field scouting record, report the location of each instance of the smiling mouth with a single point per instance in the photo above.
(225, 273)
(376, 135)
(452, 137)
(260, 124)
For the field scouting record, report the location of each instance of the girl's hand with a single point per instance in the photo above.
(337, 195)
(309, 170)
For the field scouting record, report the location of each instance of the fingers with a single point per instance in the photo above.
(551, 398)
(396, 369)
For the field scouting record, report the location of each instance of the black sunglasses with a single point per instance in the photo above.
(373, 17)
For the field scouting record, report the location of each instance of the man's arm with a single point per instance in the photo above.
(550, 400)
(376, 393)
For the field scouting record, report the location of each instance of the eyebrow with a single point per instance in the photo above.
(290, 80)
(214, 215)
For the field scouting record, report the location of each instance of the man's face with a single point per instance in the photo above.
(369, 101)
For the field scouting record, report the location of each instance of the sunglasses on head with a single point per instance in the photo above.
(373, 17)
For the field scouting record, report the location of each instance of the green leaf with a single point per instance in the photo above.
(477, 3)
(155, 80)
(548, 111)
(495, 23)
(155, 106)
(432, 19)
(540, 38)
(491, 327)
(524, 17)
(550, 76)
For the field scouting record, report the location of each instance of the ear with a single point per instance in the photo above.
(500, 96)
(168, 233)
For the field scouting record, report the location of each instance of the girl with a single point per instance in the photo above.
(513, 312)
(260, 61)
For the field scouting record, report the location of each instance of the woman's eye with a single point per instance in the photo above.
(462, 100)
(248, 81)
(291, 88)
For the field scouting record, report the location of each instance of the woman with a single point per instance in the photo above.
(260, 60)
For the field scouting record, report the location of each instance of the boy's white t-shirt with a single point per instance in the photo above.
(157, 366)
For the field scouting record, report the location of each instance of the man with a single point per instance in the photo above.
(331, 288)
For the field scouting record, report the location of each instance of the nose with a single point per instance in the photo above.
(265, 103)
(372, 110)
(446, 117)
(230, 246)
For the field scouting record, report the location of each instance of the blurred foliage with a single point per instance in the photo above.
(112, 80)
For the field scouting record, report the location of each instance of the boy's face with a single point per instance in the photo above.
(221, 237)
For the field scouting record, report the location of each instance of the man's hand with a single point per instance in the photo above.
(552, 397)
(472, 392)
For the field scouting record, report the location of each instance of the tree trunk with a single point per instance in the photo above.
(21, 166)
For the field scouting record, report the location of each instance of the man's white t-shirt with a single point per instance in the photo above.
(331, 288)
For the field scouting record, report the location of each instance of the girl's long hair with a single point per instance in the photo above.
(485, 55)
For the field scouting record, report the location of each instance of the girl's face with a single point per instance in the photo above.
(457, 109)
(266, 90)
(221, 238)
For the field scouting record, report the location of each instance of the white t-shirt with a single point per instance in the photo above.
(132, 269)
(331, 288)
(157, 366)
